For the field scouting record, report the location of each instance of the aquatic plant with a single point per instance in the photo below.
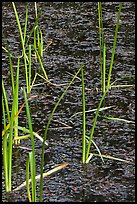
(106, 85)
(31, 158)
(86, 156)
(8, 136)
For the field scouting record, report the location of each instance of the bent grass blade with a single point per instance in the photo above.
(118, 119)
(44, 175)
(114, 158)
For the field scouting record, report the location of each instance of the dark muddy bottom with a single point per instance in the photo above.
(73, 28)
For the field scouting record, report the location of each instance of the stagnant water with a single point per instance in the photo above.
(73, 27)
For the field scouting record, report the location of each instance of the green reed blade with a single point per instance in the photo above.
(33, 29)
(94, 124)
(26, 20)
(29, 74)
(23, 44)
(101, 39)
(10, 60)
(83, 121)
(33, 170)
(104, 69)
(10, 139)
(5, 152)
(46, 130)
(16, 102)
(25, 130)
(33, 174)
(5, 162)
(38, 56)
(114, 45)
(35, 39)
(3, 114)
(40, 42)
(27, 179)
(5, 100)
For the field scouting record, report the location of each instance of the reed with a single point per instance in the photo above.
(86, 148)
(23, 42)
(84, 120)
(86, 156)
(105, 85)
(8, 136)
(47, 127)
(32, 160)
(38, 45)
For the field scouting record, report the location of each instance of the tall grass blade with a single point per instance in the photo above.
(5, 151)
(29, 74)
(46, 130)
(26, 20)
(16, 103)
(23, 45)
(101, 40)
(5, 101)
(114, 45)
(83, 121)
(104, 69)
(33, 162)
(27, 179)
(94, 124)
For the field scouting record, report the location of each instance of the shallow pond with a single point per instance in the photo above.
(73, 27)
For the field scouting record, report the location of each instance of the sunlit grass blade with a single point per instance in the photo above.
(92, 110)
(114, 158)
(61, 166)
(25, 130)
(118, 119)
(97, 148)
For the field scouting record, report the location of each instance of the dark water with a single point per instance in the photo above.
(73, 28)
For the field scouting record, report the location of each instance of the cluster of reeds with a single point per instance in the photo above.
(10, 117)
(105, 86)
(11, 128)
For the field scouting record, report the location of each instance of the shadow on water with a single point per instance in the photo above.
(73, 28)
